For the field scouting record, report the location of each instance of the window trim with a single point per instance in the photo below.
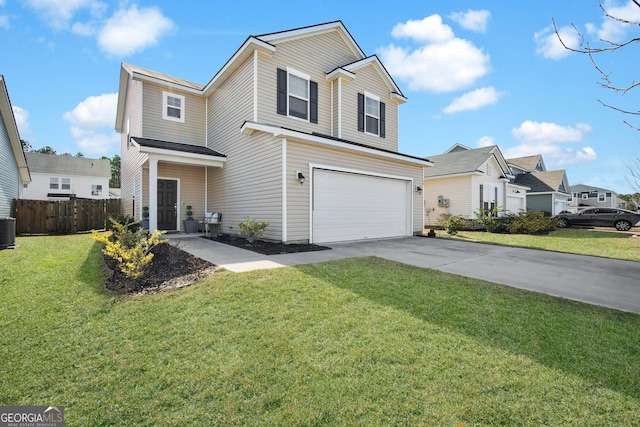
(54, 183)
(602, 197)
(165, 106)
(377, 99)
(304, 76)
(68, 184)
(98, 190)
(585, 196)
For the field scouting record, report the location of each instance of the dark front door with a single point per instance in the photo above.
(167, 199)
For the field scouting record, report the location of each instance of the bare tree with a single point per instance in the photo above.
(607, 46)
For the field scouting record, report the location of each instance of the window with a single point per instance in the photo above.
(53, 183)
(173, 107)
(66, 184)
(96, 190)
(601, 197)
(371, 114)
(585, 196)
(297, 95)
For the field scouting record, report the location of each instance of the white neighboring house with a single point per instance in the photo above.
(587, 196)
(65, 177)
(463, 180)
(14, 172)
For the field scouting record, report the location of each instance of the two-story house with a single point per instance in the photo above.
(464, 180)
(66, 177)
(299, 128)
(549, 191)
(14, 172)
(587, 196)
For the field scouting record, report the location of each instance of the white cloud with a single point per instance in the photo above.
(440, 63)
(474, 100)
(546, 138)
(473, 20)
(58, 13)
(132, 30)
(22, 120)
(428, 30)
(2, 3)
(550, 47)
(92, 124)
(615, 31)
(485, 141)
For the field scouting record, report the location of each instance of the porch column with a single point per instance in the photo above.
(153, 194)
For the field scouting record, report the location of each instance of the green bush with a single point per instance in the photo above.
(491, 221)
(251, 228)
(126, 220)
(452, 224)
(529, 222)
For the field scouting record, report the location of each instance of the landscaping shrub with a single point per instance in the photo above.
(252, 229)
(127, 220)
(130, 250)
(492, 222)
(452, 224)
(529, 222)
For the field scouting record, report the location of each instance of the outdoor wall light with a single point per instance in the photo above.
(419, 189)
(300, 177)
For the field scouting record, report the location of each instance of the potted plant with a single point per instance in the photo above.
(190, 224)
(145, 217)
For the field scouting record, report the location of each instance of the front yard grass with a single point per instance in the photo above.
(572, 240)
(352, 342)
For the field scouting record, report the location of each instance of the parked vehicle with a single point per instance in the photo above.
(621, 219)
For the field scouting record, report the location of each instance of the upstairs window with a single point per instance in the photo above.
(66, 184)
(601, 197)
(297, 95)
(53, 183)
(371, 114)
(173, 107)
(96, 190)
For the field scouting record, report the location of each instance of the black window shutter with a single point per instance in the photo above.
(382, 125)
(313, 104)
(282, 92)
(481, 196)
(361, 112)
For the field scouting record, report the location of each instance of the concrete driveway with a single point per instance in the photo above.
(606, 282)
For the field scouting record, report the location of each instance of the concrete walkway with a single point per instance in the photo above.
(606, 282)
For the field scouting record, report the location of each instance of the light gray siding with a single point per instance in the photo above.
(192, 131)
(249, 184)
(9, 174)
(314, 56)
(300, 155)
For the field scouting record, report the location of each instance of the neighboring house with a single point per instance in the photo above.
(549, 190)
(65, 177)
(299, 128)
(584, 196)
(463, 180)
(14, 172)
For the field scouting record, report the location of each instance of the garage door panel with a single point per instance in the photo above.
(353, 206)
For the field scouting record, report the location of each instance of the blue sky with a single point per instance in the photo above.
(474, 72)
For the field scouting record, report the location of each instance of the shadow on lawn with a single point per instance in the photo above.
(598, 344)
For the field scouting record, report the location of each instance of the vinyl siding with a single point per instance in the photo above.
(192, 131)
(131, 159)
(249, 184)
(539, 202)
(314, 56)
(9, 174)
(299, 157)
(367, 79)
(459, 192)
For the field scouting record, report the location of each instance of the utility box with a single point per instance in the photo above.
(7, 233)
(440, 201)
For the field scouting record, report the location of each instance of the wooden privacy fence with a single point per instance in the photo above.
(63, 216)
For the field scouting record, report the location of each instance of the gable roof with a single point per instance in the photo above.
(582, 188)
(465, 161)
(396, 93)
(9, 120)
(68, 165)
(544, 182)
(528, 163)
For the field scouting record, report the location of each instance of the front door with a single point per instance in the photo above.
(167, 204)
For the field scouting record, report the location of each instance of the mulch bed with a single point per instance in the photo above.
(171, 268)
(266, 248)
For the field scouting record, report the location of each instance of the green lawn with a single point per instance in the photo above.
(572, 240)
(354, 342)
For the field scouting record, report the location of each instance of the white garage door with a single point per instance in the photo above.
(349, 206)
(515, 204)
